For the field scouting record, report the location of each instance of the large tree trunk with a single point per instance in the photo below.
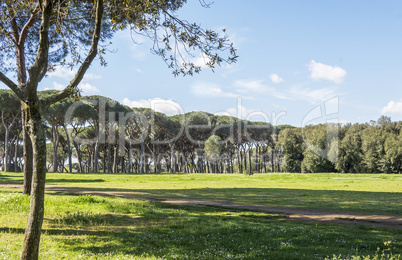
(33, 229)
(27, 151)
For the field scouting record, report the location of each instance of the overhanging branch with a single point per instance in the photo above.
(72, 87)
(9, 83)
(41, 62)
(28, 24)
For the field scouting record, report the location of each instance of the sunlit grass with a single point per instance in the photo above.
(361, 193)
(92, 227)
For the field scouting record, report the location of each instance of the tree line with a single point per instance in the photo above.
(98, 134)
(374, 147)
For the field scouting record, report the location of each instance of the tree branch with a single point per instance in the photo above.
(7, 33)
(72, 87)
(9, 83)
(39, 68)
(29, 23)
(13, 24)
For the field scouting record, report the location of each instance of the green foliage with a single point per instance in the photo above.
(371, 148)
(291, 141)
(350, 151)
(9, 103)
(213, 147)
(315, 155)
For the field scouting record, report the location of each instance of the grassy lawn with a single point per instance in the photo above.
(92, 227)
(362, 193)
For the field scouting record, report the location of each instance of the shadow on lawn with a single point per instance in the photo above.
(10, 179)
(381, 203)
(200, 233)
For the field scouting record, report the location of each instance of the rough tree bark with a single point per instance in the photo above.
(27, 153)
(55, 135)
(35, 218)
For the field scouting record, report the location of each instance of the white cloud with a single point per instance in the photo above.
(394, 107)
(210, 90)
(135, 43)
(137, 52)
(68, 74)
(323, 71)
(62, 72)
(312, 95)
(58, 86)
(138, 49)
(275, 78)
(88, 88)
(200, 61)
(255, 86)
(139, 70)
(242, 112)
(292, 93)
(197, 58)
(90, 76)
(166, 106)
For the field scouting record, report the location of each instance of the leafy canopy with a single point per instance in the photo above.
(72, 24)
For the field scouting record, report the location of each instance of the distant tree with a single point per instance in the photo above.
(315, 156)
(55, 116)
(350, 151)
(213, 150)
(10, 115)
(291, 141)
(392, 161)
(61, 157)
(373, 149)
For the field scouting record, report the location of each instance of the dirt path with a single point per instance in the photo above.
(292, 214)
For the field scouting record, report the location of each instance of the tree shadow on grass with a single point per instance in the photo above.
(380, 203)
(10, 179)
(206, 233)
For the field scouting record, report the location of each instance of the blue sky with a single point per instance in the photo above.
(294, 57)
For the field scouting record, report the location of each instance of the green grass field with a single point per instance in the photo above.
(93, 227)
(359, 193)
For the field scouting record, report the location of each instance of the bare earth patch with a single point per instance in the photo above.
(292, 214)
